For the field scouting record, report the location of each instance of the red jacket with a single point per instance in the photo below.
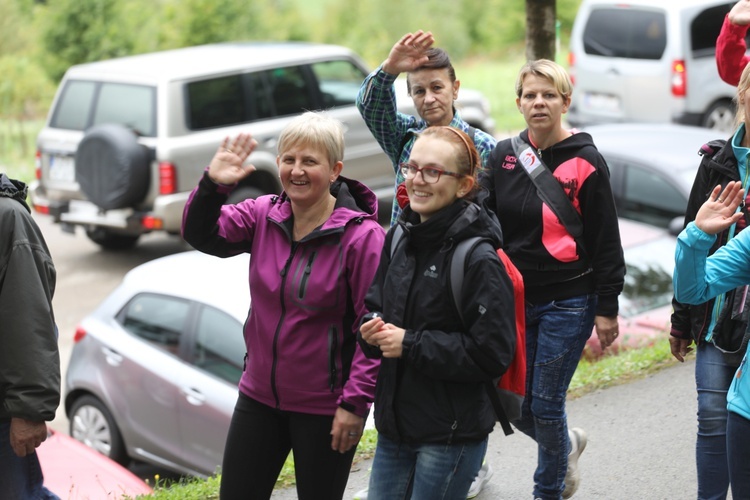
(730, 51)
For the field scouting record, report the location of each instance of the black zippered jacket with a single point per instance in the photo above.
(692, 321)
(538, 243)
(436, 391)
(29, 355)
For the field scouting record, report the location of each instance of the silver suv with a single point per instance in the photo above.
(127, 139)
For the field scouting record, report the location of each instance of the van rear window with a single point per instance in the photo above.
(625, 32)
(705, 28)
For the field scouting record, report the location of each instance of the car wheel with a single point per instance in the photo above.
(243, 193)
(110, 240)
(111, 167)
(92, 424)
(720, 116)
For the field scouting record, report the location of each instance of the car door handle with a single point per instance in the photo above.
(113, 357)
(194, 396)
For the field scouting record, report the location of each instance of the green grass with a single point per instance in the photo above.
(496, 80)
(590, 376)
(18, 148)
(624, 367)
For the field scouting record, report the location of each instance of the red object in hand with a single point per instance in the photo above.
(402, 197)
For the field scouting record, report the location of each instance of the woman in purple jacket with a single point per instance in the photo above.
(306, 387)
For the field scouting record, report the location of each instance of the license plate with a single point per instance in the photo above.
(604, 103)
(61, 168)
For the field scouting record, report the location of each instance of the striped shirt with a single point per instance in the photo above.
(376, 102)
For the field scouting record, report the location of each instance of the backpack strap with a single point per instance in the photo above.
(398, 232)
(458, 269)
(550, 191)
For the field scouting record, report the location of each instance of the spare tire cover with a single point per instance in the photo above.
(111, 167)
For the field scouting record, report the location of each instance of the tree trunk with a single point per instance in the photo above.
(540, 29)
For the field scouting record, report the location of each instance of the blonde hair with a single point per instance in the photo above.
(315, 129)
(549, 70)
(742, 87)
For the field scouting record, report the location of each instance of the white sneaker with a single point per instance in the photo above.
(360, 495)
(573, 476)
(483, 477)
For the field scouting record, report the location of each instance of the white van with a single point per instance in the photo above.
(647, 61)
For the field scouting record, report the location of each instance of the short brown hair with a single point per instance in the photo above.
(438, 60)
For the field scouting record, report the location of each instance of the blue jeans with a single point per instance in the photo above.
(714, 371)
(738, 442)
(424, 471)
(556, 333)
(20, 477)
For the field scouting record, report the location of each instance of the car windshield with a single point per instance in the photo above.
(648, 282)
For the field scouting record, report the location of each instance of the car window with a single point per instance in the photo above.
(705, 28)
(129, 105)
(648, 196)
(630, 33)
(289, 91)
(74, 105)
(339, 82)
(219, 345)
(158, 319)
(123, 104)
(216, 102)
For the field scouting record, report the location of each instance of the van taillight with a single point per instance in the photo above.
(167, 178)
(679, 79)
(38, 165)
(80, 333)
(571, 65)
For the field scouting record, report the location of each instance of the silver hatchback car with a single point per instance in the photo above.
(126, 139)
(154, 369)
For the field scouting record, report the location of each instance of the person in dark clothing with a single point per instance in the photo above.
(569, 288)
(29, 355)
(432, 410)
(711, 324)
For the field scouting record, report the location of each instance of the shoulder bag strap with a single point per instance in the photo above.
(549, 190)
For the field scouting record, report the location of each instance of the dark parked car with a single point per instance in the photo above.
(652, 168)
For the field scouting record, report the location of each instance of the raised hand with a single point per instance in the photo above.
(409, 53)
(740, 13)
(720, 210)
(227, 166)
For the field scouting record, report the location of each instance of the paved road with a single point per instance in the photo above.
(641, 445)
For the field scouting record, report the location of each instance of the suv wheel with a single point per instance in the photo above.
(92, 424)
(111, 167)
(110, 240)
(720, 116)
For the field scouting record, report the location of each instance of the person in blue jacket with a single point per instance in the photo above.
(698, 278)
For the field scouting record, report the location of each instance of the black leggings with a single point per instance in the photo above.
(259, 440)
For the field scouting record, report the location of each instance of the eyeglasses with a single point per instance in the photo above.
(429, 174)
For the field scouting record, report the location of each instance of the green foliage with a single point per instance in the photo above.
(77, 31)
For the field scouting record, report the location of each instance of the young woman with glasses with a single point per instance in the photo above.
(432, 411)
